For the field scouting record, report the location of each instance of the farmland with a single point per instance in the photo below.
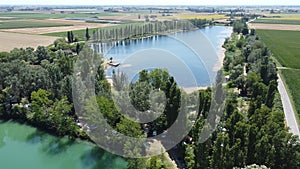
(285, 45)
(48, 15)
(283, 16)
(24, 27)
(28, 24)
(278, 21)
(274, 26)
(16, 40)
(197, 16)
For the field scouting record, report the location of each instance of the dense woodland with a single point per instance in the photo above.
(252, 129)
(36, 88)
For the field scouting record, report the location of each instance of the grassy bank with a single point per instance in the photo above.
(292, 81)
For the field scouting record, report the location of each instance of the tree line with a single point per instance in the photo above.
(252, 129)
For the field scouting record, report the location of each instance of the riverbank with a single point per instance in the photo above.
(221, 54)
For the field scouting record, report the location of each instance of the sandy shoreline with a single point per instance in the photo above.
(193, 89)
(221, 54)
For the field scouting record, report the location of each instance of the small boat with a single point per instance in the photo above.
(114, 64)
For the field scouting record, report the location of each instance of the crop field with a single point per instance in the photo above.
(80, 34)
(65, 25)
(198, 16)
(278, 21)
(28, 24)
(48, 15)
(283, 17)
(285, 45)
(274, 26)
(16, 40)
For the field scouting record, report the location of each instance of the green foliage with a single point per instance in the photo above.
(87, 34)
(156, 163)
(52, 115)
(239, 27)
(189, 157)
(252, 129)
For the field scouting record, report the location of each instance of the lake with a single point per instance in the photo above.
(25, 147)
(192, 57)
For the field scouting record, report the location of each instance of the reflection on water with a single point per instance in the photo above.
(191, 57)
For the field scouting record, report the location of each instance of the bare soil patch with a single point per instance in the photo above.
(10, 41)
(274, 26)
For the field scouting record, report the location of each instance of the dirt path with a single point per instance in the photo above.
(274, 26)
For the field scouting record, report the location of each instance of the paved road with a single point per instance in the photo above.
(288, 108)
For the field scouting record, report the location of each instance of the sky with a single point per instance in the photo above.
(150, 2)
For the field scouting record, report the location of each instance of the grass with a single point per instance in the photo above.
(292, 79)
(285, 45)
(80, 34)
(284, 17)
(277, 21)
(24, 15)
(23, 24)
(198, 16)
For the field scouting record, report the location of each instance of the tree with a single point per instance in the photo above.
(40, 102)
(42, 53)
(69, 37)
(189, 157)
(119, 80)
(87, 34)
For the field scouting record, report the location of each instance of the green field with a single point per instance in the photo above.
(23, 24)
(279, 21)
(19, 15)
(80, 34)
(285, 45)
(292, 79)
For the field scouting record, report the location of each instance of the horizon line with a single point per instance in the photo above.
(148, 5)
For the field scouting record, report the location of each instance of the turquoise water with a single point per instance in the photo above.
(25, 147)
